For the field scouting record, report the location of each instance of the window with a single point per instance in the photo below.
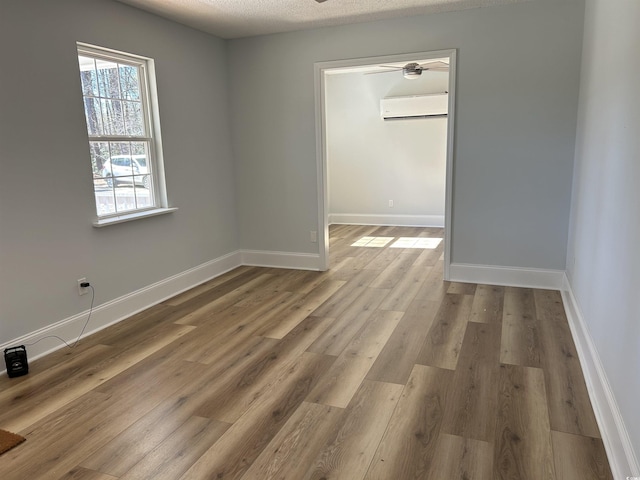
(123, 133)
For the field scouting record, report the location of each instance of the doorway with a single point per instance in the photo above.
(378, 69)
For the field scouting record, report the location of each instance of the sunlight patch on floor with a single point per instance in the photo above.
(416, 242)
(377, 242)
(402, 242)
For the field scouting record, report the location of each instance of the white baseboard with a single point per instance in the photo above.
(298, 261)
(614, 433)
(123, 307)
(509, 276)
(387, 220)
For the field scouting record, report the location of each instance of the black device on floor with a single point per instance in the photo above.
(16, 360)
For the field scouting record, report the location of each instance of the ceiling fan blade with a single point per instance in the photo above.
(434, 65)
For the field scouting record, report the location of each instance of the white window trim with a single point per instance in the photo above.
(152, 123)
(128, 217)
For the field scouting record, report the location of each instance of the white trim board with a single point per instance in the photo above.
(297, 261)
(394, 220)
(118, 309)
(508, 276)
(615, 437)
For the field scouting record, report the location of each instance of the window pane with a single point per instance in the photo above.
(113, 117)
(105, 199)
(120, 148)
(134, 124)
(99, 155)
(93, 115)
(143, 195)
(125, 199)
(108, 79)
(139, 148)
(129, 82)
(88, 76)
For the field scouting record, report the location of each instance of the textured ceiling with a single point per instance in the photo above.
(244, 18)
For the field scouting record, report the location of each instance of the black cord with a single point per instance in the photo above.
(93, 296)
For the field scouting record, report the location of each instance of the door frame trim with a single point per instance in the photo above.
(320, 71)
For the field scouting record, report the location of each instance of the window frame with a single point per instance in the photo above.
(152, 137)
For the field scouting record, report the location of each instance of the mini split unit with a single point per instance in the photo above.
(415, 106)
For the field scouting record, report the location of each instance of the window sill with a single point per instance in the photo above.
(129, 217)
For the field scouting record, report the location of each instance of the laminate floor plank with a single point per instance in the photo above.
(297, 444)
(456, 288)
(79, 473)
(397, 269)
(376, 369)
(343, 298)
(134, 443)
(488, 301)
(471, 407)
(433, 288)
(520, 344)
(396, 360)
(579, 458)
(522, 445)
(408, 445)
(458, 458)
(403, 293)
(179, 451)
(429, 256)
(443, 343)
(240, 323)
(569, 404)
(383, 259)
(349, 451)
(374, 335)
(234, 393)
(287, 318)
(336, 338)
(340, 383)
(205, 287)
(232, 455)
(254, 292)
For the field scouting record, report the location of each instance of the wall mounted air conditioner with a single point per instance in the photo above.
(415, 106)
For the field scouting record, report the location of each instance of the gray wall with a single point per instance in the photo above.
(47, 241)
(371, 161)
(516, 113)
(604, 260)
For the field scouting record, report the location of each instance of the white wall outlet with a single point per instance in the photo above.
(82, 290)
(390, 203)
(313, 236)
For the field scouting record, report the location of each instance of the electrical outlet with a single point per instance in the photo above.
(82, 290)
(390, 203)
(313, 235)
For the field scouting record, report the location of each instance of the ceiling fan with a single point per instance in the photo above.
(413, 70)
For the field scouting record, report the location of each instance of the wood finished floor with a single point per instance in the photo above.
(375, 369)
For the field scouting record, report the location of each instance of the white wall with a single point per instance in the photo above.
(604, 259)
(371, 161)
(517, 93)
(47, 241)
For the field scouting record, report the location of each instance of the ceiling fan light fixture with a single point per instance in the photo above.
(411, 71)
(411, 75)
